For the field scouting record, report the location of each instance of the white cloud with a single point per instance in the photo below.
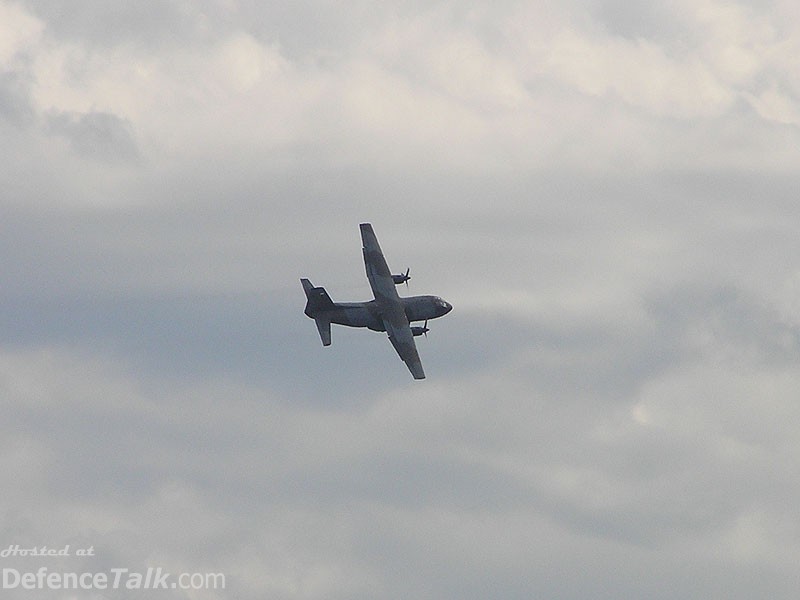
(512, 89)
(640, 74)
(604, 193)
(774, 105)
(20, 33)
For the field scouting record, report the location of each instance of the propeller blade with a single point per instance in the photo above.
(402, 277)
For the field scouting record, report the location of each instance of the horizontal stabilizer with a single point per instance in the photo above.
(324, 328)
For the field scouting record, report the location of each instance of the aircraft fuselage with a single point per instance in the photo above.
(366, 314)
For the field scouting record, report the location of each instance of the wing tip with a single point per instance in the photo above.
(416, 370)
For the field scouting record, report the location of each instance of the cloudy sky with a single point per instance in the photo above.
(605, 190)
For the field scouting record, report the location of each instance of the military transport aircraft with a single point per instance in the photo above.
(387, 312)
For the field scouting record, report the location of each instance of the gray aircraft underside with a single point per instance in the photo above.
(387, 312)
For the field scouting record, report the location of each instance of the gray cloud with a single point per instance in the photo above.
(15, 102)
(145, 23)
(610, 407)
(96, 135)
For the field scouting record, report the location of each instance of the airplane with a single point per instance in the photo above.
(386, 312)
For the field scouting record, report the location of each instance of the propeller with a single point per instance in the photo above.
(402, 277)
(417, 331)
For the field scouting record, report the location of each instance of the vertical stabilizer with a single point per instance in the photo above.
(318, 299)
(318, 307)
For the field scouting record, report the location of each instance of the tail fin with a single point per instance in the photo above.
(318, 299)
(318, 303)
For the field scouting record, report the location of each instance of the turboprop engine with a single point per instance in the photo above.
(417, 331)
(402, 277)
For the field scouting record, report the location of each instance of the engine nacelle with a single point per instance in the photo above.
(417, 331)
(401, 277)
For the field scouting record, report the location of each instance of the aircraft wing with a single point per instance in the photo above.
(380, 279)
(392, 312)
(403, 341)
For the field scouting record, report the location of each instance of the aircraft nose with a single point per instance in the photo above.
(447, 307)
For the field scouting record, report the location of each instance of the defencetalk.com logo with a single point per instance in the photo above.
(117, 578)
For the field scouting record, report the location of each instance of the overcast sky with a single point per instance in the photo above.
(606, 191)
